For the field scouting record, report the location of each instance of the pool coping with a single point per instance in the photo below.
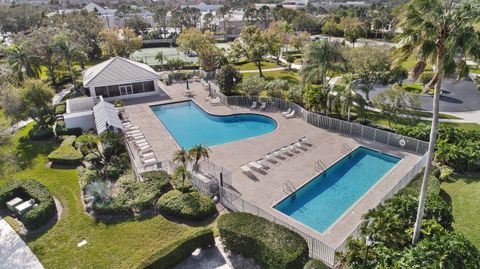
(277, 124)
(351, 207)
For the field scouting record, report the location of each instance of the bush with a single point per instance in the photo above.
(61, 108)
(86, 176)
(40, 133)
(61, 129)
(190, 206)
(426, 77)
(66, 154)
(269, 244)
(446, 173)
(179, 251)
(30, 189)
(113, 207)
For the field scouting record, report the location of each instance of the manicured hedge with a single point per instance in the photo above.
(271, 245)
(30, 189)
(179, 251)
(61, 129)
(66, 154)
(40, 133)
(190, 206)
(315, 264)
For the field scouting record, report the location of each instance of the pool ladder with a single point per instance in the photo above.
(320, 166)
(346, 149)
(289, 188)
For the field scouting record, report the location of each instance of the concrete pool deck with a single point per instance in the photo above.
(266, 190)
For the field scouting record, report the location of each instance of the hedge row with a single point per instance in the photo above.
(66, 154)
(271, 245)
(189, 206)
(61, 129)
(30, 189)
(60, 108)
(40, 133)
(179, 251)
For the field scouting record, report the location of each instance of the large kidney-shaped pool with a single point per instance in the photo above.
(190, 125)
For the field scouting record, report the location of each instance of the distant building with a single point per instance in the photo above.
(334, 5)
(204, 7)
(292, 4)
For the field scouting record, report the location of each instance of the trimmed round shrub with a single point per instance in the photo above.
(40, 133)
(117, 206)
(271, 245)
(30, 189)
(190, 206)
(315, 264)
(61, 108)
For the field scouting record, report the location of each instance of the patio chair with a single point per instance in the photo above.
(147, 155)
(140, 142)
(254, 105)
(149, 161)
(189, 93)
(286, 151)
(215, 101)
(263, 106)
(263, 163)
(300, 146)
(278, 155)
(255, 165)
(293, 149)
(289, 110)
(245, 169)
(270, 157)
(290, 115)
(305, 141)
(144, 148)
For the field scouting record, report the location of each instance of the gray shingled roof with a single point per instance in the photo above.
(117, 71)
(105, 113)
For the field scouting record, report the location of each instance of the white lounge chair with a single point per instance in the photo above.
(300, 146)
(262, 162)
(293, 149)
(305, 141)
(215, 101)
(144, 148)
(189, 93)
(245, 168)
(287, 112)
(290, 115)
(140, 142)
(286, 151)
(271, 158)
(255, 165)
(133, 128)
(149, 161)
(254, 105)
(147, 155)
(278, 155)
(263, 106)
(133, 133)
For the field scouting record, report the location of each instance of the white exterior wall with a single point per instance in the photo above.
(82, 120)
(130, 96)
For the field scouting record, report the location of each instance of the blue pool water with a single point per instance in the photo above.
(319, 203)
(190, 125)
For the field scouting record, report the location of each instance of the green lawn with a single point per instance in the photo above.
(289, 76)
(414, 88)
(464, 193)
(410, 63)
(116, 245)
(252, 66)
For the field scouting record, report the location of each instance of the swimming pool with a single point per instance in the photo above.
(190, 125)
(320, 202)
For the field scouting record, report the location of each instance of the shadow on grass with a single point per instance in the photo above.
(27, 150)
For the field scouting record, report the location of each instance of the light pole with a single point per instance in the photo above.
(368, 243)
(188, 86)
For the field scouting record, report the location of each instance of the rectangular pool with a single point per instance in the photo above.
(320, 202)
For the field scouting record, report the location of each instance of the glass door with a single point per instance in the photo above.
(125, 90)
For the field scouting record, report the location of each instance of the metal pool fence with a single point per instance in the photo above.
(317, 248)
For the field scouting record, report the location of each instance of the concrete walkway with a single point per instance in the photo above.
(216, 258)
(264, 70)
(14, 253)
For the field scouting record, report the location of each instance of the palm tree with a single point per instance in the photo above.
(196, 153)
(287, 30)
(160, 57)
(23, 63)
(70, 52)
(223, 13)
(182, 157)
(320, 60)
(345, 97)
(160, 17)
(437, 31)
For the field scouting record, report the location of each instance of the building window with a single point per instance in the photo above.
(148, 86)
(101, 91)
(137, 87)
(113, 91)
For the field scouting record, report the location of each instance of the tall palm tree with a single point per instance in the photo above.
(197, 153)
(437, 31)
(160, 57)
(287, 30)
(345, 97)
(182, 157)
(224, 13)
(160, 17)
(23, 63)
(70, 52)
(320, 60)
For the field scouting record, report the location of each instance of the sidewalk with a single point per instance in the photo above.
(14, 253)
